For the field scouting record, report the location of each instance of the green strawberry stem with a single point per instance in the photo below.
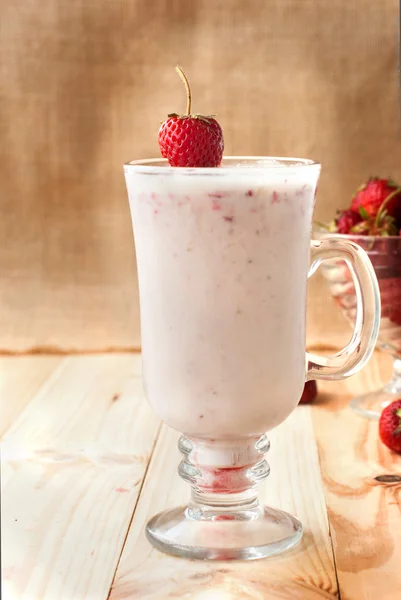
(380, 212)
(185, 81)
(321, 225)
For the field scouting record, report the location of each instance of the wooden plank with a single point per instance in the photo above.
(364, 513)
(19, 382)
(74, 461)
(305, 573)
(73, 464)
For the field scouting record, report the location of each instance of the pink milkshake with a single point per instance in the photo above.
(224, 326)
(223, 260)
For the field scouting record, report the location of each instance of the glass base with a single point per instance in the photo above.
(225, 536)
(371, 405)
(224, 520)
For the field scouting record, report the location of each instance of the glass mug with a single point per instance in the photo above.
(223, 260)
(385, 255)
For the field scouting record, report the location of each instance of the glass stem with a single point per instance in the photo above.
(393, 386)
(223, 475)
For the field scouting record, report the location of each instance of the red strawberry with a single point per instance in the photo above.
(191, 140)
(390, 426)
(310, 392)
(346, 220)
(371, 196)
(395, 316)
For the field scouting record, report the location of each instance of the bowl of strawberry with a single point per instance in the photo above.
(373, 221)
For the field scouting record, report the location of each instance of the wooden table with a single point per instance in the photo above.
(86, 462)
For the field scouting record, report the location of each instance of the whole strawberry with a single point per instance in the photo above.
(390, 426)
(346, 220)
(310, 392)
(370, 199)
(191, 140)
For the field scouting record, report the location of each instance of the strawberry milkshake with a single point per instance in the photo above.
(223, 252)
(225, 326)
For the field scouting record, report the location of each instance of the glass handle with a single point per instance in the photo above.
(361, 345)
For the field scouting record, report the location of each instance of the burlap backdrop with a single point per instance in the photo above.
(84, 87)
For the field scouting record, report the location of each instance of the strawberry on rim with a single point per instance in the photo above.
(191, 140)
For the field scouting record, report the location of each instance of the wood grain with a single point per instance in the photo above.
(19, 382)
(75, 455)
(72, 468)
(306, 573)
(84, 87)
(364, 513)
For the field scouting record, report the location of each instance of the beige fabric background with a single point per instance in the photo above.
(84, 86)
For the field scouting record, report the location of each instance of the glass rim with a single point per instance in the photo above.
(160, 165)
(355, 236)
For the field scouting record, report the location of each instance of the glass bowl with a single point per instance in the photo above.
(385, 255)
